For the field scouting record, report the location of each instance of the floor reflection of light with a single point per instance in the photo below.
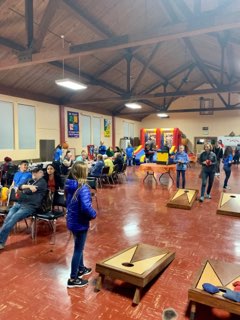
(237, 247)
(131, 230)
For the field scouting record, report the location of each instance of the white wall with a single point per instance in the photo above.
(47, 127)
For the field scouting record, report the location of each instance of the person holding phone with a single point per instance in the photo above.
(181, 159)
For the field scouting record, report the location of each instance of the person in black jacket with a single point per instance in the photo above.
(217, 149)
(32, 194)
(208, 160)
(118, 160)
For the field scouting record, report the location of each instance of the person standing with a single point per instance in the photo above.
(129, 154)
(217, 149)
(181, 159)
(57, 158)
(79, 214)
(227, 163)
(102, 148)
(208, 160)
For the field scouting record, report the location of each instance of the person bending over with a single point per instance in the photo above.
(30, 200)
(79, 213)
(208, 160)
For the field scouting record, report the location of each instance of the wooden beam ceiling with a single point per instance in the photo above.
(47, 17)
(159, 95)
(177, 31)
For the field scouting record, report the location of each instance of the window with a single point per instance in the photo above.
(26, 127)
(6, 125)
(128, 129)
(96, 122)
(86, 131)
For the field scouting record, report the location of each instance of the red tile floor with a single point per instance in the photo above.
(33, 276)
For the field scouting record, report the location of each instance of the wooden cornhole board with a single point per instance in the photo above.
(229, 204)
(137, 265)
(183, 199)
(220, 274)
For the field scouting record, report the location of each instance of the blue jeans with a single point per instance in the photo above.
(210, 176)
(179, 172)
(77, 259)
(227, 173)
(129, 161)
(15, 214)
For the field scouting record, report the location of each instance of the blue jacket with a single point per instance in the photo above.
(227, 161)
(97, 168)
(102, 150)
(79, 206)
(183, 158)
(129, 152)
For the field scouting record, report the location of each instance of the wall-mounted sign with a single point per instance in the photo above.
(73, 124)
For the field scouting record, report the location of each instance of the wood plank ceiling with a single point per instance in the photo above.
(151, 51)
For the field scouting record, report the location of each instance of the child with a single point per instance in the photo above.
(79, 213)
(181, 159)
(227, 163)
(129, 153)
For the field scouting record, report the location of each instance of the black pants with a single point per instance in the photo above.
(207, 175)
(179, 173)
(227, 173)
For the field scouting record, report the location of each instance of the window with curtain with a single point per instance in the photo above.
(131, 130)
(128, 129)
(86, 130)
(6, 125)
(96, 123)
(26, 127)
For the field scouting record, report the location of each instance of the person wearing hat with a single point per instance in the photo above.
(32, 194)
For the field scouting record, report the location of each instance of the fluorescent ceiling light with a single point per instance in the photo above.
(163, 115)
(71, 84)
(133, 105)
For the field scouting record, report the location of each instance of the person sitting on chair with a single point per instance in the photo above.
(22, 176)
(54, 181)
(108, 163)
(118, 160)
(102, 148)
(67, 163)
(5, 167)
(97, 168)
(29, 201)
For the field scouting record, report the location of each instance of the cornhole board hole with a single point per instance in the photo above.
(183, 199)
(136, 265)
(220, 274)
(229, 204)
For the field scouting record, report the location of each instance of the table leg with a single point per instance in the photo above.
(169, 174)
(99, 282)
(137, 295)
(193, 311)
(146, 176)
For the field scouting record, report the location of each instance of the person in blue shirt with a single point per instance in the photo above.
(57, 158)
(181, 159)
(227, 163)
(22, 176)
(129, 154)
(96, 170)
(102, 148)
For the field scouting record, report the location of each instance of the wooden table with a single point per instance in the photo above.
(152, 168)
(220, 274)
(137, 265)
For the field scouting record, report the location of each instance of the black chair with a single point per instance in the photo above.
(122, 173)
(114, 175)
(50, 216)
(92, 182)
(5, 208)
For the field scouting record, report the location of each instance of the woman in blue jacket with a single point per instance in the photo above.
(79, 213)
(227, 163)
(181, 159)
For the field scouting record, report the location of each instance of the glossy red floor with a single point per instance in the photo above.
(33, 276)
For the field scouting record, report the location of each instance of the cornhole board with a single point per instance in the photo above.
(183, 199)
(220, 274)
(229, 204)
(136, 265)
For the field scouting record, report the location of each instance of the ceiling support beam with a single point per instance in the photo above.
(126, 97)
(128, 60)
(145, 68)
(29, 22)
(177, 31)
(45, 23)
(201, 66)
